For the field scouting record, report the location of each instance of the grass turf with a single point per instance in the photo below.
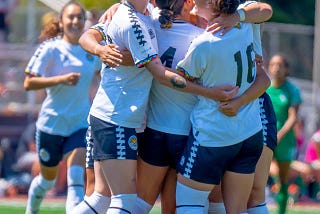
(5, 209)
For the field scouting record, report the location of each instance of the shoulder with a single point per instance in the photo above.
(50, 44)
(203, 40)
(291, 86)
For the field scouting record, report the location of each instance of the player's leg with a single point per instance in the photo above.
(199, 170)
(115, 149)
(168, 193)
(256, 203)
(152, 163)
(149, 189)
(283, 194)
(237, 182)
(50, 154)
(75, 153)
(99, 200)
(216, 205)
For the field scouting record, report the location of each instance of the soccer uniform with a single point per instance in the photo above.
(268, 117)
(64, 111)
(121, 99)
(210, 128)
(168, 118)
(283, 98)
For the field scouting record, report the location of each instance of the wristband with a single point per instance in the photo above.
(242, 14)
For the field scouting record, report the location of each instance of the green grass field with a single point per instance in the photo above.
(58, 208)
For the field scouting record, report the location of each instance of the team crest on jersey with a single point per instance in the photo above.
(89, 57)
(44, 155)
(133, 142)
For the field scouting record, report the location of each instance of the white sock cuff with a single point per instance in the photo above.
(188, 196)
(85, 198)
(216, 208)
(140, 200)
(259, 209)
(124, 201)
(143, 206)
(76, 175)
(46, 184)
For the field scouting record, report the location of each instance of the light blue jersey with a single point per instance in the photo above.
(123, 93)
(65, 108)
(217, 60)
(169, 109)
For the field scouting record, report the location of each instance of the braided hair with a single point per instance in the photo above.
(227, 6)
(169, 10)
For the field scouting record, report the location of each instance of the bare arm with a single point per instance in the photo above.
(35, 83)
(254, 13)
(108, 54)
(291, 120)
(175, 81)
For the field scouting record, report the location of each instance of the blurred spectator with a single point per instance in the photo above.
(92, 19)
(6, 12)
(27, 167)
(286, 100)
(21, 164)
(299, 133)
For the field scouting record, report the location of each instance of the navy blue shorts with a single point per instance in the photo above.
(51, 148)
(89, 155)
(161, 149)
(208, 164)
(269, 121)
(113, 141)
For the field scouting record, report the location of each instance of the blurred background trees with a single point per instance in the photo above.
(294, 11)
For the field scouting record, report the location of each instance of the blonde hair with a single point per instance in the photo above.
(50, 26)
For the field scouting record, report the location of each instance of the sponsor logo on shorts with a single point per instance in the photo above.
(44, 155)
(133, 142)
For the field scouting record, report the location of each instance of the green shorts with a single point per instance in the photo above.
(286, 149)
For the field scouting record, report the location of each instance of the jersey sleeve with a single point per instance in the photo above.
(102, 29)
(194, 63)
(40, 60)
(139, 43)
(295, 95)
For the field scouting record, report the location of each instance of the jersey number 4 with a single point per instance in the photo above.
(167, 57)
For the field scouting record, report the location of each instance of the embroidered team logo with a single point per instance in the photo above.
(44, 155)
(133, 142)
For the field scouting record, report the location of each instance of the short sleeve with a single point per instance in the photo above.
(102, 29)
(295, 96)
(194, 62)
(139, 40)
(40, 60)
